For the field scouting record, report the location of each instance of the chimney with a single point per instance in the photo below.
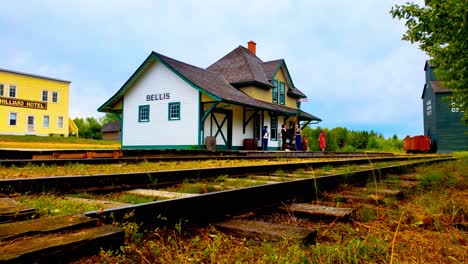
(252, 46)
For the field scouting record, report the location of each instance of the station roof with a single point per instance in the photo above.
(215, 84)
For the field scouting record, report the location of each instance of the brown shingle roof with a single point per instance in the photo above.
(241, 66)
(111, 127)
(270, 68)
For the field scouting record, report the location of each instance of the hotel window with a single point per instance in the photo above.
(45, 95)
(12, 90)
(274, 128)
(281, 93)
(13, 117)
(54, 97)
(45, 121)
(1, 89)
(274, 92)
(60, 122)
(143, 113)
(174, 111)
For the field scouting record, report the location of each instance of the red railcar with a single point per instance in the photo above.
(417, 144)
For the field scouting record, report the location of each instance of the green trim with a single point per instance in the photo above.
(274, 92)
(283, 93)
(207, 112)
(200, 106)
(271, 128)
(149, 61)
(140, 107)
(169, 111)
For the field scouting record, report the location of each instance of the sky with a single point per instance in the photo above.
(346, 56)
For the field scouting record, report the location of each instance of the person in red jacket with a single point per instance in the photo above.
(323, 145)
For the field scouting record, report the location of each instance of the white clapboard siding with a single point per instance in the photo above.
(159, 131)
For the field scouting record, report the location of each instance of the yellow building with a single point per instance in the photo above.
(34, 105)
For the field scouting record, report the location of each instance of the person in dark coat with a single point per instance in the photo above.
(265, 136)
(284, 137)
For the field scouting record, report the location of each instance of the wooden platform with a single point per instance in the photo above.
(11, 210)
(56, 239)
(262, 230)
(319, 211)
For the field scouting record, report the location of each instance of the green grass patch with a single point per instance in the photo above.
(52, 205)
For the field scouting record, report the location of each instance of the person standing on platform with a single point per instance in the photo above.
(322, 143)
(298, 138)
(265, 136)
(305, 143)
(284, 137)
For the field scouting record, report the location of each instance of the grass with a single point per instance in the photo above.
(53, 205)
(39, 142)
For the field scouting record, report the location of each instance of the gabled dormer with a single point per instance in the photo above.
(266, 81)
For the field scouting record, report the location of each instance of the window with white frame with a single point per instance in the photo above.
(174, 111)
(143, 113)
(54, 97)
(60, 122)
(274, 128)
(45, 121)
(12, 91)
(45, 95)
(13, 117)
(2, 87)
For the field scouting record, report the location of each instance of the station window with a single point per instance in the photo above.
(143, 113)
(174, 111)
(45, 121)
(281, 93)
(13, 117)
(12, 90)
(2, 87)
(60, 122)
(274, 128)
(274, 92)
(54, 97)
(45, 95)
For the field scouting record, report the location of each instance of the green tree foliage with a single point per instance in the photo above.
(342, 139)
(109, 118)
(441, 29)
(89, 127)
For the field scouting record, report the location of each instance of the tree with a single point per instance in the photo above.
(109, 118)
(89, 127)
(441, 29)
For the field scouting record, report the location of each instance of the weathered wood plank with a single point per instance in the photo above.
(263, 230)
(53, 248)
(381, 192)
(357, 198)
(162, 194)
(319, 210)
(44, 225)
(12, 210)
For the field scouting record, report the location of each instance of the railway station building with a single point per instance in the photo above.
(169, 104)
(442, 121)
(34, 105)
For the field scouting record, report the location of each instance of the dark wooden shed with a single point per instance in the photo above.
(442, 121)
(111, 131)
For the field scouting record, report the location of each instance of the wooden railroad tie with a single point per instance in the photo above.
(56, 239)
(262, 230)
(162, 194)
(319, 211)
(10, 210)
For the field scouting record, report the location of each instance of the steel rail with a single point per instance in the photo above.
(217, 205)
(141, 157)
(122, 181)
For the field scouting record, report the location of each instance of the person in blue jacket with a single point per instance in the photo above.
(298, 138)
(265, 136)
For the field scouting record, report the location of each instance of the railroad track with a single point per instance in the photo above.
(202, 208)
(61, 157)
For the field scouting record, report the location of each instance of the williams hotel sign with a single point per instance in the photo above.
(23, 103)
